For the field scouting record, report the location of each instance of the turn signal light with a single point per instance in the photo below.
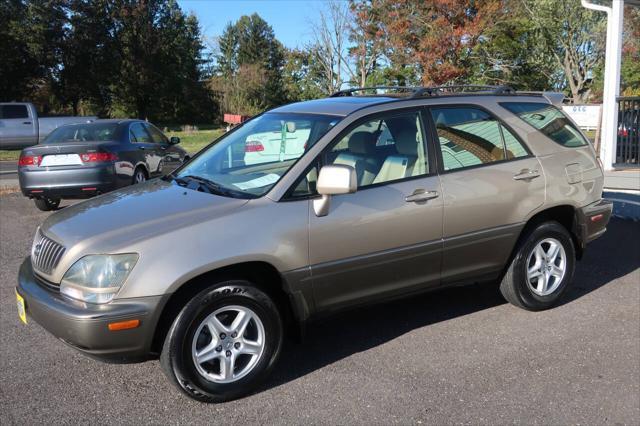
(597, 218)
(29, 160)
(123, 325)
(98, 157)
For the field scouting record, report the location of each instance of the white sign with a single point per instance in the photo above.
(585, 116)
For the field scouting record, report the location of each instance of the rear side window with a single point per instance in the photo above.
(549, 120)
(470, 137)
(13, 111)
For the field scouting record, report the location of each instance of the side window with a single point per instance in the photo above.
(549, 120)
(384, 149)
(13, 111)
(156, 135)
(470, 136)
(139, 134)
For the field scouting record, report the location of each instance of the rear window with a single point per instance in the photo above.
(94, 132)
(549, 120)
(13, 111)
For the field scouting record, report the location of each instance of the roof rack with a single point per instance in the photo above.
(416, 92)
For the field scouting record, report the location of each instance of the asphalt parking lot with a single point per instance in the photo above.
(457, 356)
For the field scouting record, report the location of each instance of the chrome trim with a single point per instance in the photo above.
(45, 253)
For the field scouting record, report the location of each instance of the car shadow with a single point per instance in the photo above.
(614, 255)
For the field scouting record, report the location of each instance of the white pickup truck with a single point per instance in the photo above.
(20, 125)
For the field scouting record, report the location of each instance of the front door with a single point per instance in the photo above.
(384, 239)
(491, 185)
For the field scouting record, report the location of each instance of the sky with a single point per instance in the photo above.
(288, 18)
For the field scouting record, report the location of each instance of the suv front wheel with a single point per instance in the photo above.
(541, 269)
(223, 343)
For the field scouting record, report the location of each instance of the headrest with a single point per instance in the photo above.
(406, 143)
(362, 143)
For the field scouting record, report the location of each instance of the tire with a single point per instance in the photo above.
(521, 288)
(139, 176)
(190, 334)
(47, 204)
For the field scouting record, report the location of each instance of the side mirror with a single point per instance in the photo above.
(174, 140)
(334, 180)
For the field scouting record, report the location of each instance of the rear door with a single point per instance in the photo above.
(491, 183)
(141, 139)
(170, 154)
(384, 239)
(17, 129)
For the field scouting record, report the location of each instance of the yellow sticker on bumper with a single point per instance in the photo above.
(22, 312)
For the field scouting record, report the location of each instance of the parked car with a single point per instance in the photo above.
(20, 125)
(83, 160)
(211, 266)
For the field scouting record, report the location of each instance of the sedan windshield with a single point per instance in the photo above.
(250, 160)
(89, 132)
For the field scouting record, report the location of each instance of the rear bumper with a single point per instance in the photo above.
(591, 221)
(84, 326)
(78, 182)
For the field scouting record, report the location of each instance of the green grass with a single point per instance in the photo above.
(192, 142)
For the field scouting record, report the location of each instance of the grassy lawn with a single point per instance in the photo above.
(192, 142)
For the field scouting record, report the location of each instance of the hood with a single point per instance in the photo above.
(123, 217)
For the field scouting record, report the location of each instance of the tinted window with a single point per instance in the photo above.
(156, 135)
(383, 150)
(139, 134)
(470, 136)
(549, 120)
(14, 111)
(83, 132)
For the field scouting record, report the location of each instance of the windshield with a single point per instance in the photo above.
(83, 133)
(249, 161)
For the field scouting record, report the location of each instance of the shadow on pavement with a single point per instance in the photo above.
(614, 255)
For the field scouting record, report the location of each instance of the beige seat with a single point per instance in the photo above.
(404, 163)
(361, 156)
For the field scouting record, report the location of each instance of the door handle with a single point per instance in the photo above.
(526, 175)
(26, 122)
(142, 148)
(421, 195)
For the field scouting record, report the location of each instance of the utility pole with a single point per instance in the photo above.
(609, 133)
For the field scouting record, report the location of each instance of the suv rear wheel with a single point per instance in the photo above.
(223, 343)
(542, 268)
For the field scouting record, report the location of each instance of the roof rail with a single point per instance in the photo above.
(416, 92)
(349, 92)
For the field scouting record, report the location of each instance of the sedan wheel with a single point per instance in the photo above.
(139, 176)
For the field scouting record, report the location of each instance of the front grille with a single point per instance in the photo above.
(45, 254)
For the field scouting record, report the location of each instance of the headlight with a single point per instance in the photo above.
(97, 278)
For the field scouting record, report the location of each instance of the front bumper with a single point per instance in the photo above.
(591, 221)
(69, 182)
(84, 326)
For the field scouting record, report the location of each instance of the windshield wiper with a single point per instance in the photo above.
(209, 185)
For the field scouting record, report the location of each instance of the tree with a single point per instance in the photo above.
(248, 77)
(574, 37)
(432, 41)
(89, 60)
(365, 33)
(302, 78)
(329, 46)
(511, 52)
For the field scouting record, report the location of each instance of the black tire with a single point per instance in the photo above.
(176, 357)
(515, 286)
(47, 204)
(139, 176)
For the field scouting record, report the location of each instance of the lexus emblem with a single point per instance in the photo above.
(36, 250)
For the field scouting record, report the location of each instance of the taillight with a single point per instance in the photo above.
(253, 146)
(29, 160)
(98, 157)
